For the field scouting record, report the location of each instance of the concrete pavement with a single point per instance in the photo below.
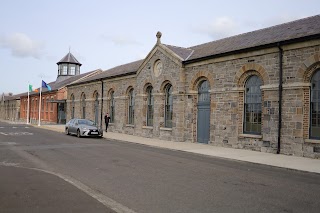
(277, 160)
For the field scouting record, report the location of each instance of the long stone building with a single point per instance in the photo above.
(231, 92)
(258, 91)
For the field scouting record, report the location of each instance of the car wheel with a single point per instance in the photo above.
(78, 133)
(67, 131)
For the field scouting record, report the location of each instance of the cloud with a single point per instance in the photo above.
(22, 46)
(219, 28)
(120, 40)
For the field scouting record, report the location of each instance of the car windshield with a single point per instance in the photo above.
(86, 122)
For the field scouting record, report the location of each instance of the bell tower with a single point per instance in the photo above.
(68, 66)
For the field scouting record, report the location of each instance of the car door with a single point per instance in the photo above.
(71, 128)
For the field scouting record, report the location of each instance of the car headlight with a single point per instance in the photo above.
(84, 129)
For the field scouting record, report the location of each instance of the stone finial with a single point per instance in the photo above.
(159, 34)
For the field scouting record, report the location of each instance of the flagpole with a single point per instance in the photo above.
(40, 105)
(28, 104)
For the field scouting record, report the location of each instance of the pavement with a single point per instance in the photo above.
(277, 160)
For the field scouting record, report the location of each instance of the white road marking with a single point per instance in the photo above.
(14, 127)
(5, 163)
(17, 133)
(8, 143)
(106, 201)
(26, 127)
(1, 127)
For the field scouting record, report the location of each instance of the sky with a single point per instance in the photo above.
(102, 34)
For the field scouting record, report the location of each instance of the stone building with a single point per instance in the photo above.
(258, 90)
(9, 107)
(230, 92)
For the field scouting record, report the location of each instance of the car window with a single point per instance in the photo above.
(70, 122)
(86, 122)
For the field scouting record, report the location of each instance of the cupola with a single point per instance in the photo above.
(68, 66)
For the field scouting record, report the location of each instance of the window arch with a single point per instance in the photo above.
(315, 106)
(112, 113)
(168, 106)
(131, 107)
(149, 106)
(83, 106)
(252, 106)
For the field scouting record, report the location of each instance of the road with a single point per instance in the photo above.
(105, 176)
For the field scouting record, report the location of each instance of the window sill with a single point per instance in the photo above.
(147, 127)
(250, 136)
(312, 141)
(165, 129)
(130, 125)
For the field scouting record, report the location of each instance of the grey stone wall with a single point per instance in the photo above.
(227, 77)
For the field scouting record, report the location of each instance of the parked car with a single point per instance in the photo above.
(82, 128)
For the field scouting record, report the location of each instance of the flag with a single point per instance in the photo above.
(44, 84)
(31, 89)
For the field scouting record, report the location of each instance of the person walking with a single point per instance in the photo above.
(106, 120)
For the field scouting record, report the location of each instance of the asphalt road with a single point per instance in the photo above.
(105, 175)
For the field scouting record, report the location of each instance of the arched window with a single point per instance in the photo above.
(112, 113)
(47, 104)
(149, 106)
(168, 106)
(83, 106)
(131, 107)
(51, 103)
(315, 106)
(72, 106)
(252, 106)
(96, 107)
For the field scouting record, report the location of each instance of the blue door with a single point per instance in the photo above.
(203, 121)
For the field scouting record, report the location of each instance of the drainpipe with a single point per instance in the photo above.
(280, 96)
(101, 114)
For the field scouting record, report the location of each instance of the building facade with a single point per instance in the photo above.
(232, 92)
(10, 107)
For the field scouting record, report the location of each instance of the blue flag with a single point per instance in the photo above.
(44, 84)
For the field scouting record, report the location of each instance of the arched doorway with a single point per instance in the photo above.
(203, 122)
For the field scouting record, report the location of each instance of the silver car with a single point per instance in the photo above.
(83, 128)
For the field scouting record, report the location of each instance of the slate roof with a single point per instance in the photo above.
(11, 97)
(55, 86)
(129, 68)
(184, 53)
(260, 38)
(69, 58)
(280, 33)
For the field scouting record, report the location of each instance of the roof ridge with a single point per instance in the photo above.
(254, 31)
(188, 48)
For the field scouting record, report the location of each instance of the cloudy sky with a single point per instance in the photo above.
(36, 34)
